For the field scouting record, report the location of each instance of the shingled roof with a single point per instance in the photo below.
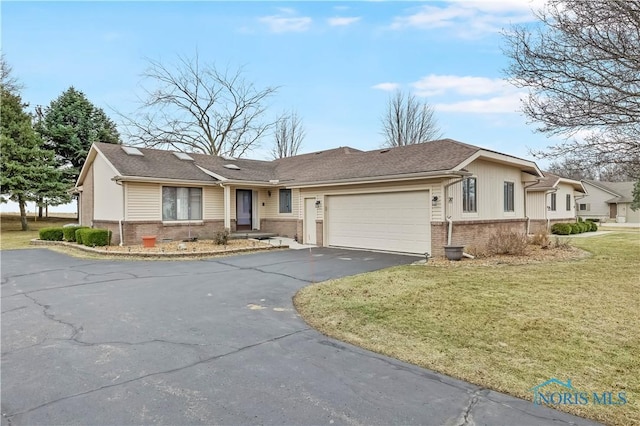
(623, 190)
(337, 164)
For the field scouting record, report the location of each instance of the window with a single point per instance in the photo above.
(553, 203)
(583, 207)
(469, 195)
(508, 197)
(181, 203)
(568, 202)
(285, 201)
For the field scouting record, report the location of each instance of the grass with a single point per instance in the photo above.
(12, 237)
(507, 328)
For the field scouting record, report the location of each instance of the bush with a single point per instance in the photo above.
(51, 234)
(575, 228)
(70, 232)
(93, 237)
(592, 226)
(541, 238)
(561, 228)
(511, 243)
(221, 238)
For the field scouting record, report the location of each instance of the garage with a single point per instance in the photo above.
(390, 221)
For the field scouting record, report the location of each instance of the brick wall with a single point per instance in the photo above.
(539, 225)
(471, 234)
(86, 203)
(133, 231)
(319, 226)
(283, 227)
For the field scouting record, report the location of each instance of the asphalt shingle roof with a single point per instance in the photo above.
(330, 165)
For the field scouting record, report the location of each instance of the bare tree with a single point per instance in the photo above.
(408, 121)
(581, 67)
(8, 81)
(196, 107)
(288, 135)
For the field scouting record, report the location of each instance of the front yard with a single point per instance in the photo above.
(504, 327)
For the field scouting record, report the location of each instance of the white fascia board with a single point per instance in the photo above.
(501, 158)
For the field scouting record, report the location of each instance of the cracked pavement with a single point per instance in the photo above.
(213, 341)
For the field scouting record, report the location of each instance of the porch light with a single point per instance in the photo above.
(434, 200)
(269, 193)
(317, 204)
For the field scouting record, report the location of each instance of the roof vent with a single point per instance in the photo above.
(231, 167)
(183, 156)
(130, 150)
(227, 157)
(383, 151)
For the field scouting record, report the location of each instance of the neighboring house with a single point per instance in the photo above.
(552, 200)
(404, 199)
(608, 202)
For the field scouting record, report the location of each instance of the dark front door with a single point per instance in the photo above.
(613, 210)
(243, 209)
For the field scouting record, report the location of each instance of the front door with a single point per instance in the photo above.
(613, 210)
(310, 221)
(244, 207)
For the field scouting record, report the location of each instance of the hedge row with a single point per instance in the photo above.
(81, 234)
(574, 228)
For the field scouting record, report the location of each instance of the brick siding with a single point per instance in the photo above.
(134, 231)
(283, 227)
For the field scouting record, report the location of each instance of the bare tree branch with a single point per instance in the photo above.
(196, 107)
(288, 135)
(8, 81)
(408, 121)
(582, 70)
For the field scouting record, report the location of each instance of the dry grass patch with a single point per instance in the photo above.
(506, 328)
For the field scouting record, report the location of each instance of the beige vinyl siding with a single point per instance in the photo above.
(271, 208)
(596, 198)
(144, 201)
(213, 201)
(489, 192)
(633, 216)
(536, 205)
(561, 212)
(107, 193)
(434, 188)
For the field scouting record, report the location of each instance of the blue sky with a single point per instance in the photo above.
(336, 63)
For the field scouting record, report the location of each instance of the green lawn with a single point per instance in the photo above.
(507, 328)
(12, 237)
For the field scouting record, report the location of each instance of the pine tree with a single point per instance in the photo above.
(29, 172)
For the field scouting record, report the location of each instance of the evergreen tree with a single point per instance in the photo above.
(29, 172)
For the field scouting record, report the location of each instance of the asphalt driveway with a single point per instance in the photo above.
(209, 342)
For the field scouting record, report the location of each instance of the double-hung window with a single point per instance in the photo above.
(553, 203)
(181, 203)
(469, 195)
(285, 201)
(509, 198)
(568, 202)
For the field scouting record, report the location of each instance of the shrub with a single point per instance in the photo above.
(562, 244)
(70, 232)
(541, 238)
(221, 238)
(579, 219)
(592, 226)
(575, 228)
(511, 243)
(561, 228)
(51, 234)
(93, 237)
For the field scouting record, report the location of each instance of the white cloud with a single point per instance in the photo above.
(434, 84)
(341, 21)
(470, 94)
(469, 18)
(286, 22)
(509, 103)
(387, 87)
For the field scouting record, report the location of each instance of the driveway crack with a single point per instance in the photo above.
(158, 373)
(255, 268)
(45, 308)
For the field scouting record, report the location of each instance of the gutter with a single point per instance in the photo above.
(463, 175)
(374, 179)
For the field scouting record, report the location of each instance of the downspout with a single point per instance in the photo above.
(576, 206)
(118, 182)
(553, 191)
(526, 216)
(446, 203)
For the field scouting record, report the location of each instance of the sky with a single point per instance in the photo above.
(335, 63)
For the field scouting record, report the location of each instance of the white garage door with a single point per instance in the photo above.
(394, 221)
